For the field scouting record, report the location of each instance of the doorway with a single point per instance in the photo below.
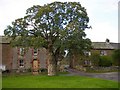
(35, 66)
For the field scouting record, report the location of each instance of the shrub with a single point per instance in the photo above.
(29, 70)
(43, 70)
(95, 58)
(105, 61)
(116, 57)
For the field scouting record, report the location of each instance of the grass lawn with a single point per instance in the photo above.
(43, 81)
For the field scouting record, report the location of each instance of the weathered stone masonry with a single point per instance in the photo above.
(15, 58)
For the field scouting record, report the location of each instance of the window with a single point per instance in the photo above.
(21, 62)
(103, 53)
(87, 53)
(2, 67)
(87, 62)
(35, 52)
(22, 51)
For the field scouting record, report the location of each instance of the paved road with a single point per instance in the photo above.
(108, 76)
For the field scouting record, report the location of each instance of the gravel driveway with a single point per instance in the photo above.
(108, 76)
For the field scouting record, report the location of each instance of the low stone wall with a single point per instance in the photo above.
(80, 68)
(97, 69)
(63, 68)
(103, 69)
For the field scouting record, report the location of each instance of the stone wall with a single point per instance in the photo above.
(28, 59)
(42, 57)
(103, 69)
(7, 55)
(0, 58)
(109, 52)
(10, 57)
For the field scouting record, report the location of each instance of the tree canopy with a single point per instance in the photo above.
(57, 26)
(116, 57)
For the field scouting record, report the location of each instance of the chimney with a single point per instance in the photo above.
(107, 41)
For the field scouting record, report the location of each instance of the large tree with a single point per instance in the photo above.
(58, 26)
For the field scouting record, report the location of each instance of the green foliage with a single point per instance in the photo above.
(105, 61)
(57, 26)
(116, 57)
(95, 57)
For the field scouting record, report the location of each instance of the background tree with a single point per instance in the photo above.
(116, 57)
(49, 26)
(77, 43)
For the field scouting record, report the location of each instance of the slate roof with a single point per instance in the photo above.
(4, 39)
(104, 45)
(95, 45)
(116, 45)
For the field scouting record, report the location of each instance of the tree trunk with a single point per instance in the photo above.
(72, 61)
(52, 66)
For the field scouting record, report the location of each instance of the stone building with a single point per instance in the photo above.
(104, 48)
(19, 59)
(101, 48)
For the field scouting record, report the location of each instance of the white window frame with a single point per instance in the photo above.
(87, 53)
(103, 52)
(22, 51)
(35, 52)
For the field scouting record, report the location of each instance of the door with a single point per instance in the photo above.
(35, 66)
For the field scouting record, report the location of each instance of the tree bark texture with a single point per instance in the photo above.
(72, 61)
(52, 66)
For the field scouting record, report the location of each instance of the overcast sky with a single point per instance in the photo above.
(103, 16)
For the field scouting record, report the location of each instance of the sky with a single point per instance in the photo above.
(103, 16)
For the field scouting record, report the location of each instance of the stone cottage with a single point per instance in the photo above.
(104, 48)
(101, 48)
(19, 59)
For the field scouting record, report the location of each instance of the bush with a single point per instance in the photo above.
(105, 61)
(116, 57)
(43, 70)
(29, 70)
(95, 58)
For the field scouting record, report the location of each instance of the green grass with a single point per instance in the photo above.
(0, 81)
(43, 81)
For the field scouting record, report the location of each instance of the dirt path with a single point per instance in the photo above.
(108, 76)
